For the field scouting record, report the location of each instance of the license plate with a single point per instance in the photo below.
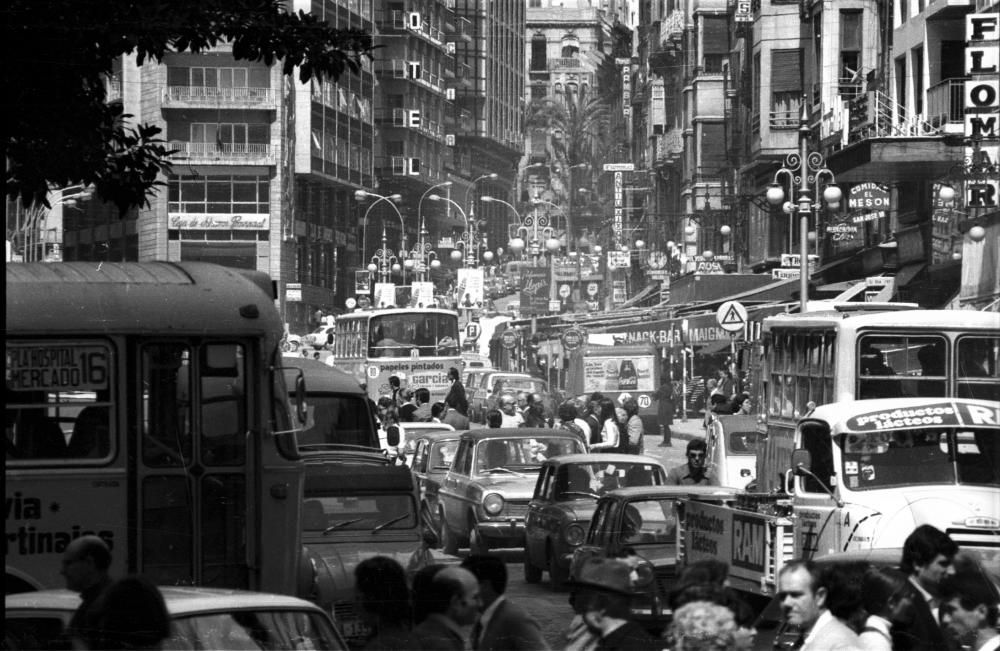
(355, 629)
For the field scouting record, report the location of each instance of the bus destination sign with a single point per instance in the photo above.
(41, 367)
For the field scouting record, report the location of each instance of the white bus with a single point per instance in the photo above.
(420, 343)
(851, 353)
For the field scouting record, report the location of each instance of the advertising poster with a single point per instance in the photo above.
(362, 282)
(422, 294)
(614, 374)
(470, 287)
(385, 295)
(534, 291)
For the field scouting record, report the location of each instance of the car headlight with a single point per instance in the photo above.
(493, 504)
(574, 535)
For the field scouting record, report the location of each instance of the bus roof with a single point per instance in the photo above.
(887, 414)
(77, 298)
(910, 319)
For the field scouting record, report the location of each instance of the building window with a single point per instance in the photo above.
(715, 44)
(713, 148)
(219, 194)
(851, 44)
(570, 46)
(786, 88)
(538, 54)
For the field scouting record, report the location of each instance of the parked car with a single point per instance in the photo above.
(319, 337)
(643, 521)
(338, 416)
(201, 618)
(354, 512)
(732, 449)
(429, 455)
(484, 496)
(564, 501)
(409, 431)
(291, 343)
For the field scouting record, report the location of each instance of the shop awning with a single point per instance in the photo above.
(908, 273)
(638, 298)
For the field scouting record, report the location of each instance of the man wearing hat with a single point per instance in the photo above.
(601, 595)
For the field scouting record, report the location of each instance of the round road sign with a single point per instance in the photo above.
(565, 290)
(732, 316)
(592, 289)
(572, 339)
(508, 339)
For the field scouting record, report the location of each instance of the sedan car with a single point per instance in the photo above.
(429, 455)
(201, 618)
(564, 501)
(732, 449)
(493, 385)
(642, 521)
(320, 337)
(484, 497)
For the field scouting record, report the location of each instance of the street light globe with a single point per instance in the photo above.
(435, 264)
(946, 193)
(488, 256)
(408, 263)
(456, 254)
(708, 255)
(725, 230)
(516, 245)
(957, 255)
(670, 244)
(552, 244)
(775, 195)
(639, 244)
(977, 233)
(788, 207)
(372, 267)
(396, 268)
(832, 194)
(811, 236)
(434, 197)
(360, 195)
(689, 229)
(598, 248)
(499, 251)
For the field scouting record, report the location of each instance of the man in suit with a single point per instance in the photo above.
(817, 605)
(503, 625)
(969, 606)
(454, 602)
(928, 554)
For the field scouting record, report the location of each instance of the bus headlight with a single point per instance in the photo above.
(574, 535)
(493, 504)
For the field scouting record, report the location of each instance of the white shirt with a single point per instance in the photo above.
(991, 644)
(511, 420)
(609, 436)
(877, 635)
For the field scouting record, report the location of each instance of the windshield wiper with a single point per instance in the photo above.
(340, 524)
(393, 521)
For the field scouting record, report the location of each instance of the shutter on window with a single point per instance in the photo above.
(716, 35)
(786, 70)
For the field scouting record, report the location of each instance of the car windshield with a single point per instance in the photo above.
(333, 513)
(921, 456)
(252, 629)
(337, 419)
(651, 521)
(580, 480)
(522, 454)
(745, 443)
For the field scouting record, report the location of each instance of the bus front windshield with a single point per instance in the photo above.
(399, 335)
(947, 455)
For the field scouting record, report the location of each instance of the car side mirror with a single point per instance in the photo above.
(301, 409)
(801, 461)
(392, 435)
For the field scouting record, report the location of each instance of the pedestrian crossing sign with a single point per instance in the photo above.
(732, 316)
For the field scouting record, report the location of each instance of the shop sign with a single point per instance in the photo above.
(219, 222)
(842, 233)
(793, 261)
(590, 267)
(619, 294)
(572, 339)
(293, 292)
(534, 291)
(565, 269)
(982, 101)
(619, 260)
(782, 273)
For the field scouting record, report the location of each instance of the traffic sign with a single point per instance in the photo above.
(565, 290)
(732, 316)
(619, 167)
(572, 339)
(472, 330)
(508, 339)
(592, 289)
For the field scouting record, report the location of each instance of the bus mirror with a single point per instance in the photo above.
(301, 409)
(801, 461)
(392, 435)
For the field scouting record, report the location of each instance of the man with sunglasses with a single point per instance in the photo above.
(693, 472)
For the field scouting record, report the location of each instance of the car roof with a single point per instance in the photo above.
(323, 378)
(737, 423)
(517, 433)
(422, 426)
(434, 436)
(639, 492)
(180, 600)
(597, 457)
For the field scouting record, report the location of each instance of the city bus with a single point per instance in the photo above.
(146, 404)
(420, 344)
(856, 353)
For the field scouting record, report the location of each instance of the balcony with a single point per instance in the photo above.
(946, 104)
(462, 31)
(462, 78)
(564, 63)
(672, 27)
(113, 89)
(183, 97)
(226, 153)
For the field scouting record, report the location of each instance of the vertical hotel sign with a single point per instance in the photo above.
(982, 103)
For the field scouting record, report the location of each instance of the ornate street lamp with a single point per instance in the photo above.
(392, 200)
(805, 168)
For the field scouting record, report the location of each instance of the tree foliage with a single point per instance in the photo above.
(579, 122)
(59, 54)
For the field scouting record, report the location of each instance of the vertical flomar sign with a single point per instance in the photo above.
(982, 102)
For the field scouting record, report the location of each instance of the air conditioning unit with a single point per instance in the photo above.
(413, 69)
(414, 165)
(449, 139)
(450, 47)
(449, 94)
(414, 119)
(414, 19)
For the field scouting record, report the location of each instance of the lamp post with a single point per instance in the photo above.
(470, 237)
(392, 200)
(420, 203)
(384, 261)
(804, 167)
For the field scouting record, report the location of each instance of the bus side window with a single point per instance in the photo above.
(91, 433)
(816, 439)
(166, 412)
(31, 434)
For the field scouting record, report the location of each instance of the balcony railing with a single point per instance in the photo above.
(946, 102)
(559, 63)
(672, 27)
(784, 119)
(224, 153)
(114, 89)
(211, 96)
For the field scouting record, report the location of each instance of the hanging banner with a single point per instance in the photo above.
(385, 295)
(422, 294)
(470, 287)
(362, 282)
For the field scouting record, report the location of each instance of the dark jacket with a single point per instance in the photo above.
(916, 629)
(511, 629)
(456, 398)
(629, 637)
